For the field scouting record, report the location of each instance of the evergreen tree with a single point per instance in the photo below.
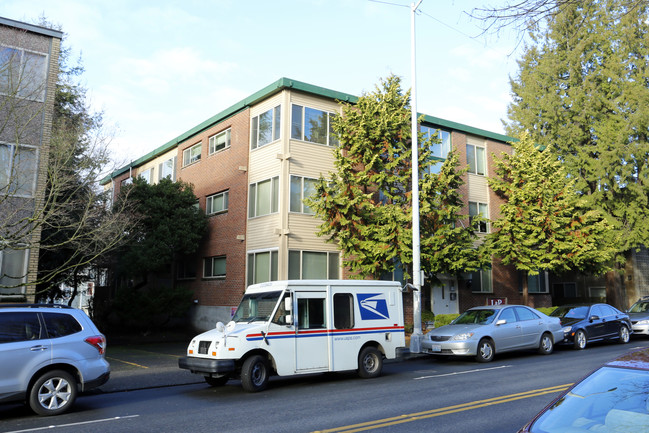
(582, 91)
(366, 203)
(543, 225)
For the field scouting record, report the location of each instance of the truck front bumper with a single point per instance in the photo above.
(206, 366)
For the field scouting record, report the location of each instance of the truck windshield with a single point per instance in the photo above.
(256, 307)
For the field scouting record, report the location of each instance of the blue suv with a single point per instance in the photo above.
(49, 354)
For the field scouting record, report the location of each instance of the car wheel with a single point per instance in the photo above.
(217, 381)
(485, 351)
(254, 374)
(546, 346)
(580, 340)
(624, 334)
(370, 362)
(53, 393)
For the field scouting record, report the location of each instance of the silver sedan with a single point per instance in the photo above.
(484, 331)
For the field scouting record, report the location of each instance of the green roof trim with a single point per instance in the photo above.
(270, 90)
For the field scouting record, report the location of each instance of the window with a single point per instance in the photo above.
(192, 154)
(167, 169)
(147, 175)
(565, 290)
(18, 167)
(343, 311)
(217, 203)
(309, 124)
(219, 141)
(301, 188)
(60, 325)
(441, 149)
(13, 267)
(19, 326)
(308, 265)
(525, 314)
(311, 313)
(263, 197)
(480, 281)
(262, 267)
(536, 283)
(265, 127)
(22, 73)
(482, 210)
(476, 159)
(214, 267)
(508, 315)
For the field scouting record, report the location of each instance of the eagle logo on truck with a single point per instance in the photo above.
(373, 306)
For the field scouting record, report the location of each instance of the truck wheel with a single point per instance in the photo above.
(546, 346)
(217, 381)
(370, 362)
(53, 393)
(254, 374)
(485, 351)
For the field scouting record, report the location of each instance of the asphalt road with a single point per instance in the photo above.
(422, 394)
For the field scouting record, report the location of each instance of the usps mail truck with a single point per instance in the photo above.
(302, 326)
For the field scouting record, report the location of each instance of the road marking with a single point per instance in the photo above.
(463, 372)
(49, 427)
(444, 410)
(126, 362)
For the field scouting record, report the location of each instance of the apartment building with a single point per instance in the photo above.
(29, 57)
(251, 166)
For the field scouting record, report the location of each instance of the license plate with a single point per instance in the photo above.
(436, 348)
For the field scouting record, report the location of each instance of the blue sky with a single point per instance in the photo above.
(158, 68)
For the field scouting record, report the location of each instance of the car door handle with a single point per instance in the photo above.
(37, 348)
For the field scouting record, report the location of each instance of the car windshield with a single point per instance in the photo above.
(640, 307)
(571, 312)
(611, 399)
(256, 307)
(480, 317)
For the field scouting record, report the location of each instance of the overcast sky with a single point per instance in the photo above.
(158, 68)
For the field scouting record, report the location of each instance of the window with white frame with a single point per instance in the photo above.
(310, 124)
(167, 169)
(482, 210)
(442, 146)
(265, 127)
(220, 141)
(480, 281)
(301, 188)
(214, 267)
(308, 265)
(217, 203)
(263, 197)
(535, 283)
(22, 73)
(476, 159)
(192, 154)
(13, 267)
(262, 266)
(18, 169)
(147, 175)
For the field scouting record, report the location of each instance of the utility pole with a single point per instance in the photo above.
(415, 338)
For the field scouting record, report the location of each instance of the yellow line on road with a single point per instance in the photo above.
(444, 410)
(126, 362)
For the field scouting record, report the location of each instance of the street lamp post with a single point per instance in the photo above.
(415, 339)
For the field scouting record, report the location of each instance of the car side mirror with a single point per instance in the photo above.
(593, 318)
(501, 322)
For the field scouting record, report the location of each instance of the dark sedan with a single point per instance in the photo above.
(583, 324)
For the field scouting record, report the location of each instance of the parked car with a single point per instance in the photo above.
(484, 331)
(613, 399)
(586, 323)
(639, 315)
(49, 354)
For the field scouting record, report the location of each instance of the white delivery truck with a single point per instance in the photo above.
(302, 326)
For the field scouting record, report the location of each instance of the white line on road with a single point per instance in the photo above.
(463, 372)
(49, 427)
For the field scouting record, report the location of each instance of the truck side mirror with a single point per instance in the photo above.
(289, 319)
(288, 303)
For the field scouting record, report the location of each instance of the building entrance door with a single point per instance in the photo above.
(444, 296)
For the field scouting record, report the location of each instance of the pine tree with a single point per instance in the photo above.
(366, 203)
(582, 91)
(542, 224)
